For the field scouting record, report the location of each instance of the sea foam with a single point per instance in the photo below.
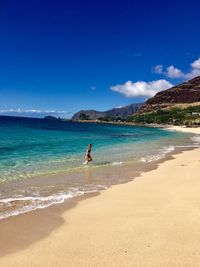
(26, 204)
(157, 156)
(196, 139)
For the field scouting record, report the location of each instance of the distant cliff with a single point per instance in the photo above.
(185, 93)
(122, 112)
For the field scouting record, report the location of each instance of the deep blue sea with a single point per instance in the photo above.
(35, 153)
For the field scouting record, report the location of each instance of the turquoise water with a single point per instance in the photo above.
(32, 148)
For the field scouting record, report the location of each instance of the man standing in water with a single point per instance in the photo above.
(88, 157)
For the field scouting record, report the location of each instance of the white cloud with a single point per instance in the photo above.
(173, 72)
(196, 64)
(195, 69)
(170, 71)
(120, 106)
(192, 74)
(158, 69)
(141, 88)
(34, 113)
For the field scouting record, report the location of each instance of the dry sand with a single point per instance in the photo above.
(152, 221)
(184, 129)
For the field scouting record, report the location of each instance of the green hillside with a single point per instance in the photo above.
(175, 115)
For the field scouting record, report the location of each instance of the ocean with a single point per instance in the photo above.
(41, 160)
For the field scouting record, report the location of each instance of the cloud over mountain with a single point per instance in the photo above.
(173, 72)
(141, 89)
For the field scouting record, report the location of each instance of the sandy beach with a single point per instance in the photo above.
(152, 221)
(184, 129)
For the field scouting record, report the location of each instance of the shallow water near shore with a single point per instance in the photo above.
(41, 160)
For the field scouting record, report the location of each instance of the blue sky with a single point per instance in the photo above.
(71, 55)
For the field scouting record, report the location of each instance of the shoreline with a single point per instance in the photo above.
(125, 172)
(181, 128)
(127, 223)
(67, 221)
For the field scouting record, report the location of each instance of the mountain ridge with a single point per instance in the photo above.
(121, 112)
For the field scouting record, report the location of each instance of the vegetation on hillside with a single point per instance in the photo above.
(84, 117)
(177, 116)
(189, 115)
